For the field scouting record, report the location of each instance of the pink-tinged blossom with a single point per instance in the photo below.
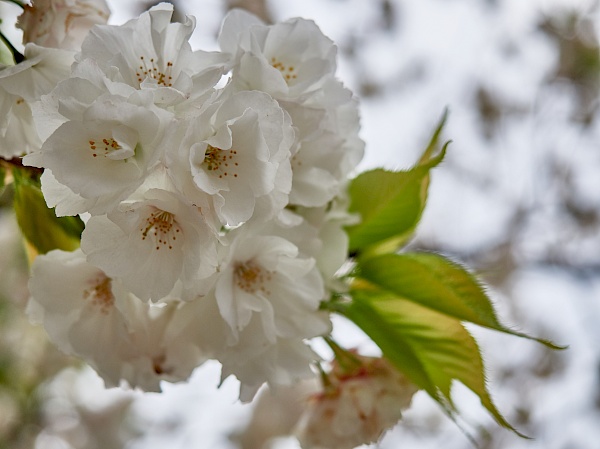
(357, 406)
(61, 23)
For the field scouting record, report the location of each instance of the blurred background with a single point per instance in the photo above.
(517, 199)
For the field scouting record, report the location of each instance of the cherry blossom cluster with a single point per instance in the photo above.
(212, 187)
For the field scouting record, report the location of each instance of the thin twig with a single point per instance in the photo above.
(17, 162)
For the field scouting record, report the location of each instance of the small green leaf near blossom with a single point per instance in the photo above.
(390, 204)
(437, 283)
(431, 348)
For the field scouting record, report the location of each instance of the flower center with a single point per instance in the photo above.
(252, 278)
(150, 68)
(100, 293)
(104, 147)
(217, 160)
(162, 228)
(287, 71)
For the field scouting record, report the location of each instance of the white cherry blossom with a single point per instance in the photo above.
(75, 95)
(328, 222)
(237, 152)
(152, 53)
(106, 155)
(59, 196)
(151, 242)
(317, 170)
(254, 363)
(88, 314)
(17, 129)
(328, 145)
(288, 60)
(21, 86)
(266, 276)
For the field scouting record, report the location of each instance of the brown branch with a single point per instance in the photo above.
(17, 162)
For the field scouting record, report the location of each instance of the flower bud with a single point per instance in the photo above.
(357, 405)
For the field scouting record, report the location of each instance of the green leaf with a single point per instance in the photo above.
(434, 141)
(437, 283)
(39, 224)
(390, 204)
(431, 348)
(2, 177)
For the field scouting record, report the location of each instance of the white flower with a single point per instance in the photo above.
(21, 86)
(105, 155)
(17, 129)
(343, 120)
(357, 407)
(264, 275)
(90, 315)
(288, 60)
(317, 171)
(152, 53)
(237, 153)
(329, 223)
(59, 196)
(274, 414)
(329, 147)
(151, 242)
(72, 98)
(267, 298)
(159, 349)
(281, 364)
(61, 23)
